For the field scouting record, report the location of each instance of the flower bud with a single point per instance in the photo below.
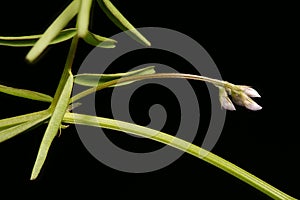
(251, 105)
(238, 98)
(224, 100)
(243, 99)
(249, 91)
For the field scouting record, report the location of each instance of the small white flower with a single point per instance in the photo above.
(249, 91)
(251, 105)
(243, 99)
(240, 96)
(224, 100)
(227, 104)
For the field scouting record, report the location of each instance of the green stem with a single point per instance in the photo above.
(181, 145)
(66, 73)
(89, 91)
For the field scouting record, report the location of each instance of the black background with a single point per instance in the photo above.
(250, 43)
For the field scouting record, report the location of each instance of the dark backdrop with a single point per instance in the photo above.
(250, 43)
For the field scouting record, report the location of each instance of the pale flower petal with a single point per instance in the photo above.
(252, 105)
(224, 100)
(250, 91)
(226, 103)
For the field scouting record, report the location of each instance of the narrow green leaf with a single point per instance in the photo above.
(12, 121)
(25, 41)
(53, 127)
(14, 130)
(93, 80)
(97, 40)
(25, 94)
(53, 30)
(83, 18)
(64, 35)
(180, 144)
(118, 19)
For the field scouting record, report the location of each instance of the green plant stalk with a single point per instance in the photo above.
(180, 144)
(89, 91)
(92, 80)
(66, 73)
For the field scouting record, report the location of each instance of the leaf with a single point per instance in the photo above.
(118, 19)
(93, 80)
(180, 144)
(24, 41)
(12, 121)
(14, 130)
(83, 18)
(26, 94)
(97, 40)
(53, 127)
(53, 30)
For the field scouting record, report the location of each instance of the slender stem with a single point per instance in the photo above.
(66, 73)
(180, 144)
(89, 91)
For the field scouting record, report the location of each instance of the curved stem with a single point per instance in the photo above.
(180, 144)
(89, 91)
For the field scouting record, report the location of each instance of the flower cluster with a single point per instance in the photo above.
(240, 95)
